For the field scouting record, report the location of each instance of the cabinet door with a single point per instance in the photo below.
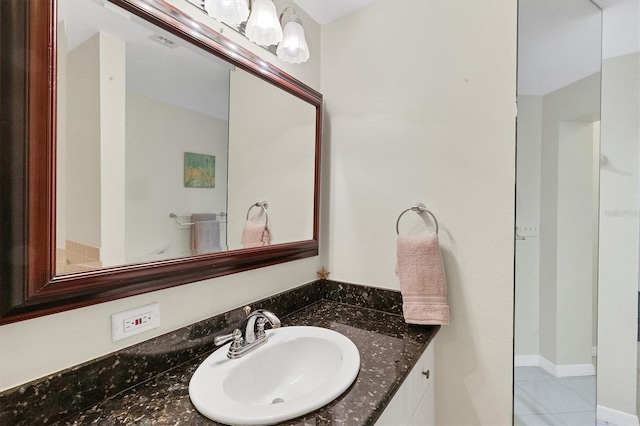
(425, 414)
(413, 402)
(396, 413)
(420, 378)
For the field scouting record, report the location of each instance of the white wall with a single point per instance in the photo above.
(155, 173)
(566, 312)
(94, 207)
(34, 348)
(420, 104)
(264, 123)
(527, 275)
(618, 274)
(112, 149)
(83, 198)
(61, 135)
(575, 244)
(579, 101)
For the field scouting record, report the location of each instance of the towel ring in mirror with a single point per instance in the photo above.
(264, 206)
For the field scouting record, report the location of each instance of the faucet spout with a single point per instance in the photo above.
(259, 317)
(254, 334)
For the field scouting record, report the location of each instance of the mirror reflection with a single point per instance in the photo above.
(166, 151)
(557, 207)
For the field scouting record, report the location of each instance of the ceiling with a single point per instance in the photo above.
(325, 11)
(545, 64)
(561, 42)
(183, 73)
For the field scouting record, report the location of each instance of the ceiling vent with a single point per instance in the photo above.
(163, 41)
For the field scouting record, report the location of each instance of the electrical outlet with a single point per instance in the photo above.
(134, 321)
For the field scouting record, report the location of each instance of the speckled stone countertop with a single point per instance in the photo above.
(148, 383)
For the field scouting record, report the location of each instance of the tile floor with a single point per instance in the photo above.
(542, 399)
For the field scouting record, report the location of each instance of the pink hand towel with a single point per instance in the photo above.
(255, 235)
(422, 281)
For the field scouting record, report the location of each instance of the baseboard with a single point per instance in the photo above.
(548, 366)
(575, 370)
(568, 370)
(616, 417)
(526, 360)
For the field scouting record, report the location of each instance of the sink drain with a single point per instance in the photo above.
(277, 401)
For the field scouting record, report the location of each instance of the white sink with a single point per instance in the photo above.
(298, 370)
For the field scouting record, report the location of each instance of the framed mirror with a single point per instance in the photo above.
(151, 152)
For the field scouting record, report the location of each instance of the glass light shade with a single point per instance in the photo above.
(231, 12)
(293, 47)
(263, 26)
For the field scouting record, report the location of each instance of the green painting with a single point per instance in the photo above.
(199, 170)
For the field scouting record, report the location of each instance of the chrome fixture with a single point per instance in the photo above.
(418, 208)
(258, 21)
(254, 335)
(264, 205)
(176, 217)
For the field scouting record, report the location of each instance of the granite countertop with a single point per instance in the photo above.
(388, 349)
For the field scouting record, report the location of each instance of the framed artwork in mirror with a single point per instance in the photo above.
(199, 170)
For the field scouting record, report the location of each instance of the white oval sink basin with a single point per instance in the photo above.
(298, 370)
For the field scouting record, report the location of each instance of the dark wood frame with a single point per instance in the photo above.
(28, 284)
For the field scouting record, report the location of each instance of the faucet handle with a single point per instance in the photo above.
(235, 336)
(260, 323)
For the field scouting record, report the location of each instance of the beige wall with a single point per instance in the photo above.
(420, 103)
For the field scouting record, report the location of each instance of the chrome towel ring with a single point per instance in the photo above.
(418, 208)
(263, 205)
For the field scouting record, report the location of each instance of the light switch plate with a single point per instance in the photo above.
(134, 321)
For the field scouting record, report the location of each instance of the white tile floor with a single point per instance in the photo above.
(542, 399)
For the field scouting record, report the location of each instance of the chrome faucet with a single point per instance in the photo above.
(254, 335)
(257, 320)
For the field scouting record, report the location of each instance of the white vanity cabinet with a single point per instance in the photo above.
(414, 402)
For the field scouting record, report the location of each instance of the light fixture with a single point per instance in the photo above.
(258, 21)
(293, 48)
(231, 12)
(263, 27)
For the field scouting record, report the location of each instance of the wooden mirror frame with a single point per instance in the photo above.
(29, 286)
